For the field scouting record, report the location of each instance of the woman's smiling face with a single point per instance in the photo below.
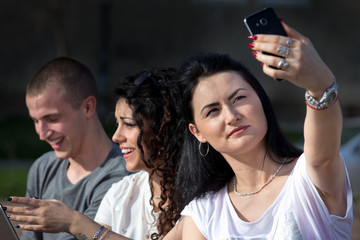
(228, 114)
(126, 135)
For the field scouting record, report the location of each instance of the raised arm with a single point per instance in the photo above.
(322, 129)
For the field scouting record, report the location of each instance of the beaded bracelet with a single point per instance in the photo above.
(98, 232)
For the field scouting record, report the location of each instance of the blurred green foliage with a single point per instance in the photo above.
(12, 181)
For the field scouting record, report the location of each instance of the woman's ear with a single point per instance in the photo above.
(193, 129)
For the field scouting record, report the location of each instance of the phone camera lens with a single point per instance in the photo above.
(263, 21)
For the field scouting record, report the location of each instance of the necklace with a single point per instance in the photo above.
(267, 182)
(157, 197)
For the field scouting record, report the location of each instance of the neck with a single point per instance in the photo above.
(93, 152)
(251, 168)
(156, 181)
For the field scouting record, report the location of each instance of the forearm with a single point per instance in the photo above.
(322, 134)
(84, 228)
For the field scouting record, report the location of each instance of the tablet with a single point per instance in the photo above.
(7, 230)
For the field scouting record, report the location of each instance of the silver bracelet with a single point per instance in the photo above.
(328, 98)
(106, 231)
(98, 232)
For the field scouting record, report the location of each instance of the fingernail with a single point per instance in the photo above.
(254, 53)
(4, 208)
(281, 20)
(8, 199)
(251, 45)
(35, 197)
(17, 226)
(252, 37)
(262, 65)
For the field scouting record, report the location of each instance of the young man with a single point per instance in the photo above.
(61, 99)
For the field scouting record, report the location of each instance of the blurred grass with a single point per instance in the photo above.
(12, 181)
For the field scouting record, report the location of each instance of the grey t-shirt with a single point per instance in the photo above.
(47, 180)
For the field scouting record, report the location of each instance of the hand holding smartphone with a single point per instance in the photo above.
(265, 22)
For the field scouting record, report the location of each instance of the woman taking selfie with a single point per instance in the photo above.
(238, 177)
(140, 206)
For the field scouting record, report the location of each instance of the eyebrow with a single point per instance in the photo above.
(45, 116)
(128, 118)
(217, 103)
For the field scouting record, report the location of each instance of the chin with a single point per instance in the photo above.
(62, 155)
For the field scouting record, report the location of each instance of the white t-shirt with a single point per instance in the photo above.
(297, 213)
(126, 207)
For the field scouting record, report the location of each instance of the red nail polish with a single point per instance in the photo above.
(251, 45)
(252, 37)
(254, 53)
(262, 65)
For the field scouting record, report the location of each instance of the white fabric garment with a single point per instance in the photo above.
(126, 208)
(297, 213)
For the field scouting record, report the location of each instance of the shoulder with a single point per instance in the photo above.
(46, 161)
(208, 201)
(113, 167)
(114, 160)
(130, 182)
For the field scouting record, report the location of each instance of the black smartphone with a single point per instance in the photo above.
(264, 22)
(7, 230)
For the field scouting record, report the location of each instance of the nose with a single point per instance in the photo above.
(43, 130)
(231, 115)
(118, 137)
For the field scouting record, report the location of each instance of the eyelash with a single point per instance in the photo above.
(126, 124)
(130, 124)
(215, 109)
(238, 98)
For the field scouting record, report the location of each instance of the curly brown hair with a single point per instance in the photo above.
(153, 101)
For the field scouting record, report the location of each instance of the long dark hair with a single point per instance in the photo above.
(199, 175)
(152, 97)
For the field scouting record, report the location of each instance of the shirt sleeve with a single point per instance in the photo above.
(104, 213)
(195, 210)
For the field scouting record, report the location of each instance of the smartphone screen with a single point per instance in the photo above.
(6, 229)
(264, 22)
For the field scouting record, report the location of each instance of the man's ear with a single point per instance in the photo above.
(89, 106)
(193, 129)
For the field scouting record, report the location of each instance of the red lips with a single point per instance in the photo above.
(238, 130)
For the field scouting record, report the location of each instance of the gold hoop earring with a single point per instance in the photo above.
(207, 150)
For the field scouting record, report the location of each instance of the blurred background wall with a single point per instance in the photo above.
(115, 38)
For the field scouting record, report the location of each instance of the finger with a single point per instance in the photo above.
(274, 49)
(267, 59)
(25, 219)
(269, 38)
(275, 73)
(30, 227)
(33, 202)
(21, 210)
(293, 33)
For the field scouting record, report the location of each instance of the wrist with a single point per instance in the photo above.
(77, 223)
(323, 100)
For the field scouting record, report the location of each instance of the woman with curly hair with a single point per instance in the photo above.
(139, 206)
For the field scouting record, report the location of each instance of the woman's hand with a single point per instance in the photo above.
(51, 216)
(305, 67)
